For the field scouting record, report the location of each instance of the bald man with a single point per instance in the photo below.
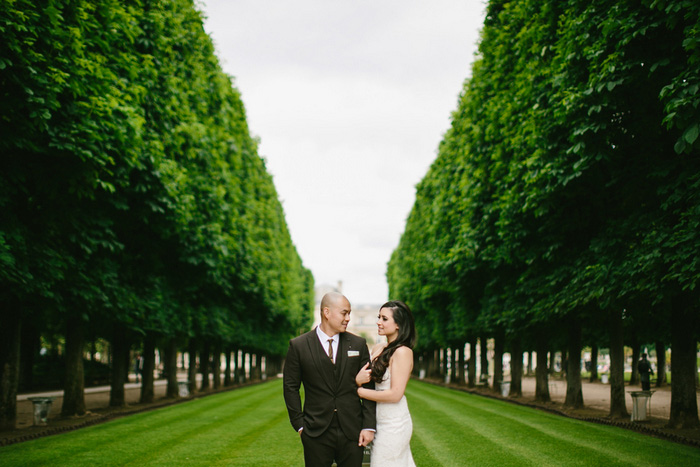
(334, 423)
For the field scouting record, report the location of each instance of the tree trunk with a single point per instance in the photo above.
(594, 364)
(684, 404)
(74, 385)
(564, 363)
(258, 366)
(432, 364)
(461, 378)
(528, 363)
(541, 371)
(227, 363)
(170, 368)
(552, 361)
(93, 351)
(471, 369)
(120, 368)
(9, 366)
(498, 348)
(634, 377)
(618, 409)
(236, 367)
(442, 359)
(484, 360)
(516, 368)
(660, 363)
(244, 358)
(216, 367)
(204, 355)
(149, 365)
(29, 348)
(574, 389)
(252, 366)
(192, 369)
(272, 365)
(454, 376)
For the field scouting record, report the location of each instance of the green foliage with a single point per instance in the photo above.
(49, 373)
(131, 188)
(568, 182)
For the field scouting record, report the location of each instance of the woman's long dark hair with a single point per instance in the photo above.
(407, 336)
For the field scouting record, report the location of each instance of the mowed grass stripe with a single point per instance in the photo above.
(276, 443)
(604, 444)
(494, 434)
(451, 438)
(249, 427)
(244, 428)
(536, 437)
(160, 433)
(151, 437)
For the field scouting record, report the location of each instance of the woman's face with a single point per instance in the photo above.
(386, 326)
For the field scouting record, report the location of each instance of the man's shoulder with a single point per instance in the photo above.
(354, 338)
(303, 337)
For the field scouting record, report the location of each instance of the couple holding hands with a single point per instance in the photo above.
(352, 398)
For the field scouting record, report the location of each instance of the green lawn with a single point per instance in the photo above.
(249, 426)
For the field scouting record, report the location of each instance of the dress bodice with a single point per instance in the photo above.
(391, 446)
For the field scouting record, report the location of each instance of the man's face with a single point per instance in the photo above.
(338, 315)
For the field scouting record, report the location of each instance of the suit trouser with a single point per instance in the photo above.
(332, 445)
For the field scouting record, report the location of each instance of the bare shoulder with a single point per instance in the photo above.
(404, 352)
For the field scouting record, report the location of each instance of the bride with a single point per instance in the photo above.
(392, 363)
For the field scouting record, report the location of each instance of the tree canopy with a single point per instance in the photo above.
(131, 189)
(567, 187)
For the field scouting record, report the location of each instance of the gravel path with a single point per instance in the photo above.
(597, 396)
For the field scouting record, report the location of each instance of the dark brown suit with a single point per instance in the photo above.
(331, 404)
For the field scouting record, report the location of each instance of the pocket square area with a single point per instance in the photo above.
(353, 353)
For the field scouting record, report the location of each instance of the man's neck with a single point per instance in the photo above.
(327, 331)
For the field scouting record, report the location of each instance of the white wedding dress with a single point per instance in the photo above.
(391, 445)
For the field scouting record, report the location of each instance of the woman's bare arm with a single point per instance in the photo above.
(401, 366)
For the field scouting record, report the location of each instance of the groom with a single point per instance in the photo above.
(334, 424)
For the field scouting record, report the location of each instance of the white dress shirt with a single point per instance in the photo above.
(323, 337)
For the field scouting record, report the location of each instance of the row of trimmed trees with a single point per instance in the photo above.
(563, 208)
(134, 206)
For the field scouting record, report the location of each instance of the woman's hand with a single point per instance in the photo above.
(363, 376)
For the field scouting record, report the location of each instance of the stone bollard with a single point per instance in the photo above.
(640, 405)
(42, 407)
(505, 388)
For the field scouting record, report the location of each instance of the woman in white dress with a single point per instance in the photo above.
(392, 363)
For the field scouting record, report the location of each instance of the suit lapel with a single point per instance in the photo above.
(343, 347)
(321, 361)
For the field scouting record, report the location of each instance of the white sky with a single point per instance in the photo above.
(350, 100)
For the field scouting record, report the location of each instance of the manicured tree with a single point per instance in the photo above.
(516, 367)
(124, 195)
(542, 370)
(71, 122)
(574, 390)
(9, 371)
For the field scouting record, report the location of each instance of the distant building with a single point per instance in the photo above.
(363, 319)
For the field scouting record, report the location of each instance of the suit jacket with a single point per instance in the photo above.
(328, 387)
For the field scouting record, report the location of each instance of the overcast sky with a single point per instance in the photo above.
(350, 100)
